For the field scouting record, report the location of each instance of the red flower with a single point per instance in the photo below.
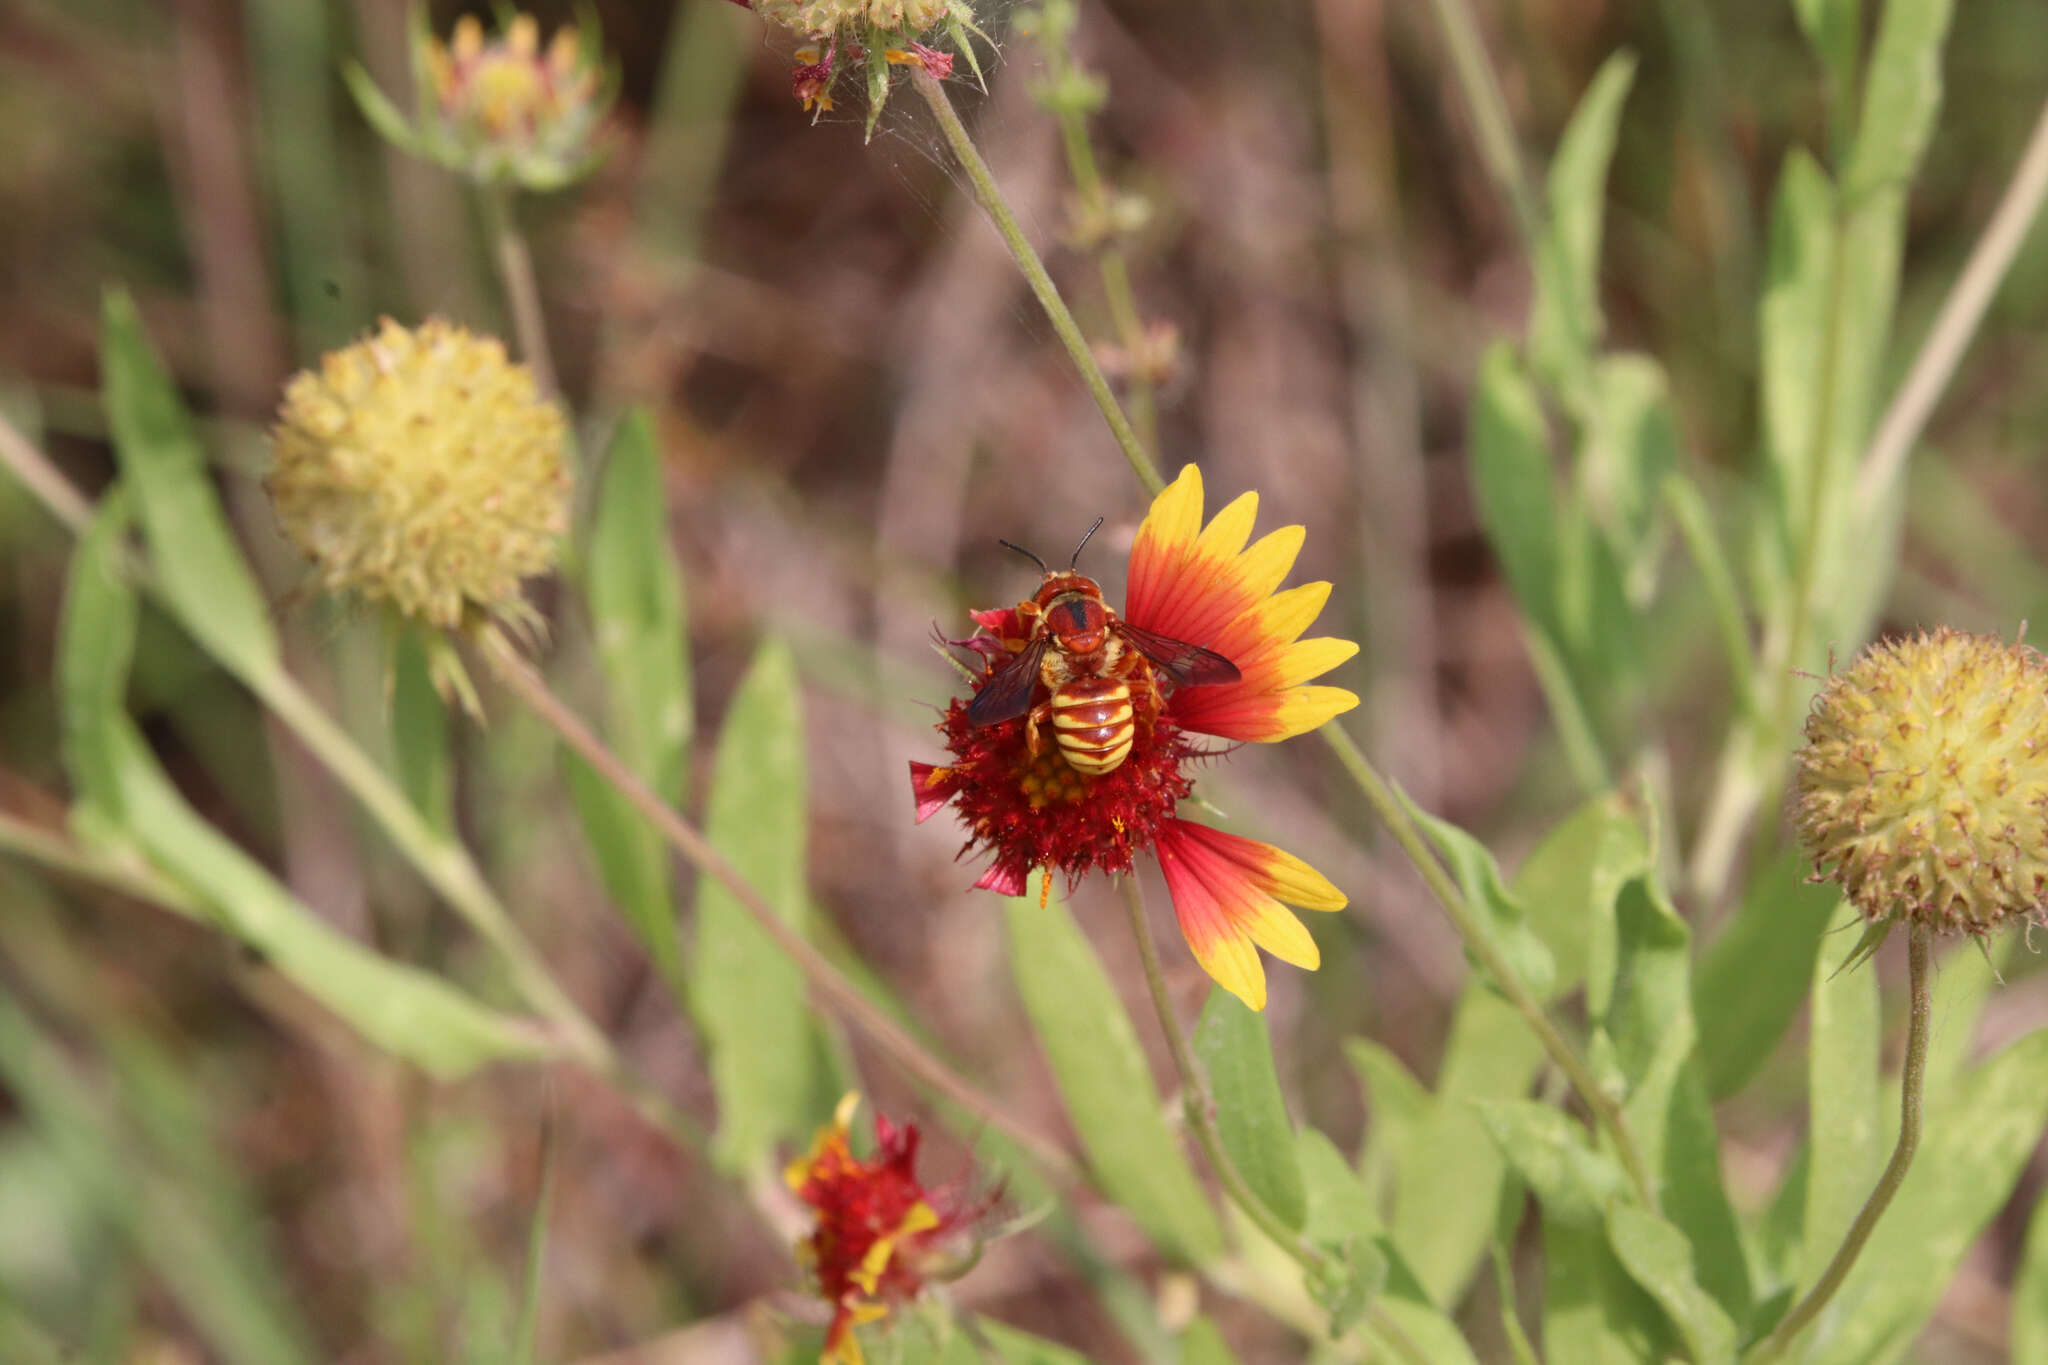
(1022, 799)
(880, 1234)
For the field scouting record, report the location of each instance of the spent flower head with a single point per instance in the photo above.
(420, 470)
(500, 109)
(872, 36)
(881, 1235)
(1923, 782)
(1080, 740)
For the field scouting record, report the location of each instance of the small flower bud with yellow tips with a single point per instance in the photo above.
(874, 35)
(1923, 783)
(422, 470)
(499, 109)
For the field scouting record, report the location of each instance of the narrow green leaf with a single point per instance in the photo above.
(1843, 1125)
(1901, 96)
(1341, 1218)
(1667, 1108)
(2030, 1293)
(1490, 1055)
(1569, 882)
(409, 1013)
(419, 734)
(1752, 979)
(526, 1330)
(1834, 28)
(1593, 1312)
(1236, 1052)
(1793, 333)
(378, 111)
(202, 570)
(1548, 1150)
(1479, 877)
(878, 74)
(1658, 1257)
(1104, 1079)
(1397, 1106)
(1513, 483)
(1988, 1127)
(749, 998)
(1022, 1348)
(635, 594)
(1629, 448)
(1203, 1344)
(1564, 319)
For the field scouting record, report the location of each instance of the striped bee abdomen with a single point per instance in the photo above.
(1094, 722)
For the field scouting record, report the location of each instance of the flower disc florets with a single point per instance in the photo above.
(422, 470)
(880, 1235)
(1923, 783)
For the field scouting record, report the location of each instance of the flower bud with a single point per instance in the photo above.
(1923, 783)
(421, 469)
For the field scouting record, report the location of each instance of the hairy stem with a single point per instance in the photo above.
(522, 286)
(832, 988)
(1920, 952)
(990, 196)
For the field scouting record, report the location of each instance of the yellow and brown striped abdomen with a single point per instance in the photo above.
(1094, 721)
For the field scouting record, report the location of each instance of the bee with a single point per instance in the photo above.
(1098, 671)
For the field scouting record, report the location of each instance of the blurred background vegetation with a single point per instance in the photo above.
(854, 396)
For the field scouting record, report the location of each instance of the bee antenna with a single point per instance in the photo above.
(1026, 553)
(1075, 563)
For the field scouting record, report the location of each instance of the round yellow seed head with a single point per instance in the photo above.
(422, 469)
(1923, 783)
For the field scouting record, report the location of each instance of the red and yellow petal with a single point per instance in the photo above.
(931, 787)
(1227, 892)
(842, 1347)
(1205, 586)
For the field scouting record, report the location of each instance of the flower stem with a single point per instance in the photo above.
(826, 982)
(1200, 1108)
(522, 286)
(1606, 1110)
(990, 196)
(1912, 1082)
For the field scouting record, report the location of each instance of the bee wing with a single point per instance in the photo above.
(1007, 693)
(1188, 665)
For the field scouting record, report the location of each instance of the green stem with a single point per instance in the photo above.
(990, 197)
(522, 286)
(61, 855)
(826, 981)
(1912, 1082)
(1200, 1108)
(1494, 129)
(1606, 1110)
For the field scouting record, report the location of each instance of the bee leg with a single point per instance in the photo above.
(1034, 737)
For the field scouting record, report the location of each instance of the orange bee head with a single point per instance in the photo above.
(1072, 609)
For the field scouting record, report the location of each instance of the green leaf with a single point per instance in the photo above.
(1658, 1257)
(1667, 1109)
(1490, 1055)
(1629, 447)
(1203, 1344)
(1843, 1125)
(1397, 1106)
(876, 42)
(1236, 1052)
(1834, 27)
(526, 1330)
(378, 111)
(1564, 319)
(203, 573)
(2030, 1293)
(1499, 910)
(1104, 1079)
(1569, 882)
(1594, 1313)
(1793, 334)
(635, 594)
(1021, 1348)
(1548, 1150)
(409, 1013)
(1341, 1219)
(1987, 1128)
(1513, 483)
(1752, 979)
(1901, 96)
(748, 996)
(419, 734)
